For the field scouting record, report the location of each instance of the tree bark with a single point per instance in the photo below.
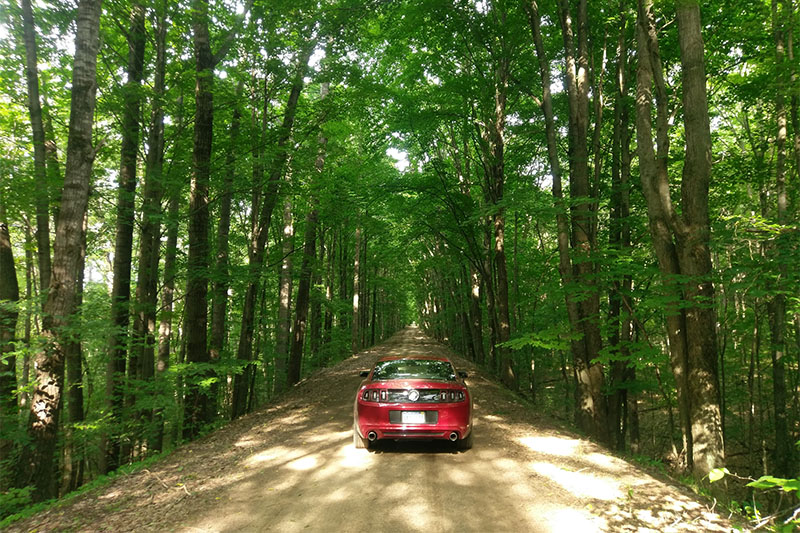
(29, 314)
(309, 254)
(355, 336)
(315, 320)
(9, 410)
(695, 257)
(74, 450)
(123, 246)
(777, 306)
(591, 406)
(222, 282)
(590, 377)
(620, 306)
(38, 465)
(42, 197)
(496, 184)
(327, 329)
(653, 169)
(259, 237)
(682, 241)
(283, 329)
(199, 407)
(303, 294)
(166, 319)
(144, 326)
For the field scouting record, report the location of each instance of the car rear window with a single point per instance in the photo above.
(414, 369)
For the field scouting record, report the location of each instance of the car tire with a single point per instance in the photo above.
(358, 442)
(466, 443)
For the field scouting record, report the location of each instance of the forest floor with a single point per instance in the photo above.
(292, 467)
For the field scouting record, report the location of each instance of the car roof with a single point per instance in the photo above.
(419, 357)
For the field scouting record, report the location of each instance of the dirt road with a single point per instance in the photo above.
(293, 467)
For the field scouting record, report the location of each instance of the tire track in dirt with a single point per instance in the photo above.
(292, 467)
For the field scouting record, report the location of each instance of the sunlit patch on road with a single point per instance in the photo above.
(567, 519)
(354, 458)
(559, 446)
(584, 484)
(461, 478)
(304, 463)
(609, 463)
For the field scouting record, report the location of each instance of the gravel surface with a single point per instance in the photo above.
(292, 467)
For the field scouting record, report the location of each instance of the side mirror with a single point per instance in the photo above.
(364, 373)
(463, 375)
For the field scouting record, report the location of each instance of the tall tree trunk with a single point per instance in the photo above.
(166, 319)
(9, 410)
(258, 240)
(695, 257)
(38, 465)
(590, 378)
(123, 246)
(374, 306)
(491, 299)
(221, 283)
(283, 329)
(653, 168)
(619, 240)
(475, 315)
(29, 313)
(344, 315)
(795, 93)
(144, 324)
(199, 405)
(303, 293)
(329, 283)
(495, 176)
(355, 335)
(682, 241)
(591, 410)
(74, 449)
(777, 307)
(309, 253)
(315, 321)
(42, 197)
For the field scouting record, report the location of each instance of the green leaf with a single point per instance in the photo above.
(768, 482)
(717, 474)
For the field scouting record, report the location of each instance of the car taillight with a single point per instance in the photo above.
(447, 396)
(402, 396)
(372, 395)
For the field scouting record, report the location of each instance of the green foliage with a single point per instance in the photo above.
(785, 519)
(770, 482)
(14, 500)
(557, 337)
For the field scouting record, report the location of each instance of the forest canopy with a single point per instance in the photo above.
(202, 202)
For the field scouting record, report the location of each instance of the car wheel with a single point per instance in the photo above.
(358, 442)
(466, 444)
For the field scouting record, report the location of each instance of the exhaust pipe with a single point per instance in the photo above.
(372, 436)
(453, 436)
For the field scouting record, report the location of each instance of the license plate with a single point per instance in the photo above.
(413, 417)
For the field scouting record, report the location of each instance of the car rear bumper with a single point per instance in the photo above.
(450, 419)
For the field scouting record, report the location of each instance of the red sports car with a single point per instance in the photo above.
(413, 397)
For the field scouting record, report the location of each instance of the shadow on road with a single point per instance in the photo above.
(292, 467)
